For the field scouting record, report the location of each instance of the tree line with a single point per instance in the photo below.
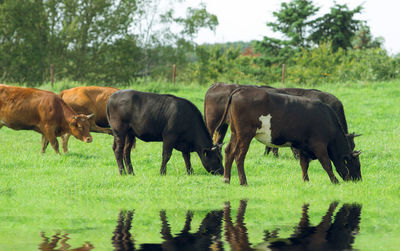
(94, 40)
(119, 42)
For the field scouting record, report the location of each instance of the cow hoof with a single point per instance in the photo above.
(226, 180)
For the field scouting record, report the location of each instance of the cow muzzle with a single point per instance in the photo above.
(88, 139)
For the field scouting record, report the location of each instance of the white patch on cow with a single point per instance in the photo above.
(264, 134)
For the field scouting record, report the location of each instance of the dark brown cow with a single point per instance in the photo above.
(217, 95)
(280, 120)
(42, 111)
(89, 100)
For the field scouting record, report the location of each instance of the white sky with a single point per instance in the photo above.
(246, 20)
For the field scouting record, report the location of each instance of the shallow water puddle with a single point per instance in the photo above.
(225, 229)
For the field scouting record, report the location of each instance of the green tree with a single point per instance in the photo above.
(91, 24)
(338, 26)
(293, 20)
(363, 39)
(23, 41)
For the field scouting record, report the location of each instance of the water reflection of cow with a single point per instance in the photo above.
(327, 235)
(207, 237)
(59, 243)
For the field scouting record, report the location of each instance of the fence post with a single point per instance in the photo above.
(52, 75)
(173, 73)
(283, 74)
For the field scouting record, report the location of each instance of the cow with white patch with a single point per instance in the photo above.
(217, 95)
(280, 120)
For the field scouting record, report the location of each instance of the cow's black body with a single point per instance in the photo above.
(154, 117)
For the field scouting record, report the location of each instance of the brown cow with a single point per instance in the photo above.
(89, 100)
(280, 120)
(42, 111)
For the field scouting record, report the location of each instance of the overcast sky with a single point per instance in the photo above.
(246, 20)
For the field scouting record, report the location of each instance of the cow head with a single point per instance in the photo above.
(352, 163)
(80, 127)
(212, 159)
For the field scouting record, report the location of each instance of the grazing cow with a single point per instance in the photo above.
(217, 95)
(154, 117)
(42, 111)
(280, 120)
(89, 100)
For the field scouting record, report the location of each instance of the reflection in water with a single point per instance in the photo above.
(121, 239)
(334, 232)
(236, 235)
(327, 235)
(52, 245)
(338, 234)
(207, 237)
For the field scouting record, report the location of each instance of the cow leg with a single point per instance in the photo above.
(275, 152)
(186, 157)
(64, 142)
(322, 155)
(241, 149)
(129, 143)
(296, 153)
(267, 150)
(166, 155)
(304, 163)
(229, 156)
(54, 143)
(45, 143)
(118, 146)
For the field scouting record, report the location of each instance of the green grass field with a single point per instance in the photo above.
(81, 193)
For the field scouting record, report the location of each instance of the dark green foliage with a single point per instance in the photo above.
(23, 41)
(293, 20)
(338, 26)
(94, 40)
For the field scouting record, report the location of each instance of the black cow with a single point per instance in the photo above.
(280, 120)
(154, 117)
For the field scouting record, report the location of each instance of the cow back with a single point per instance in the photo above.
(89, 100)
(27, 108)
(151, 117)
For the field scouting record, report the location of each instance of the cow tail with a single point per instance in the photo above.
(225, 114)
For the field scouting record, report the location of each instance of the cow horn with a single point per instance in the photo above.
(217, 146)
(356, 153)
(90, 115)
(353, 135)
